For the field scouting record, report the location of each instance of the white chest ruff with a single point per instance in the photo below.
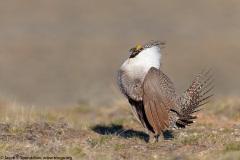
(138, 66)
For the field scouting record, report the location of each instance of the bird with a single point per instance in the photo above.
(152, 96)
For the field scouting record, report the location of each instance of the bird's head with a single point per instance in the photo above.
(147, 55)
(135, 51)
(149, 48)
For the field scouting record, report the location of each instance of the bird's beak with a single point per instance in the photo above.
(131, 50)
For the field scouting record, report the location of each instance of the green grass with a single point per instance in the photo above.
(193, 139)
(233, 146)
(114, 133)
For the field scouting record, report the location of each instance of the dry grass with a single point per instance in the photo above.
(111, 132)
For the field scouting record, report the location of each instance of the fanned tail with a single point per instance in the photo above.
(196, 96)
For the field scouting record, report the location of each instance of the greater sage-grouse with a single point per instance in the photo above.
(151, 93)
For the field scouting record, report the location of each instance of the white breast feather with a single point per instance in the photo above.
(146, 59)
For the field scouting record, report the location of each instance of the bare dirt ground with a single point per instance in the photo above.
(111, 132)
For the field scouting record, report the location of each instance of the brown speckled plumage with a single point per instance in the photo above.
(152, 96)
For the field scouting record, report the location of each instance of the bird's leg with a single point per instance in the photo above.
(154, 138)
(151, 138)
(160, 137)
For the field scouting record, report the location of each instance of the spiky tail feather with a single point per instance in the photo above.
(194, 97)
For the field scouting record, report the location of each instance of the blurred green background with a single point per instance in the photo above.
(59, 52)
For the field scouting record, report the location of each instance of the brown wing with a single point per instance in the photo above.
(138, 111)
(158, 98)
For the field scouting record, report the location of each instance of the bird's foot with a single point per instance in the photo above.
(154, 138)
